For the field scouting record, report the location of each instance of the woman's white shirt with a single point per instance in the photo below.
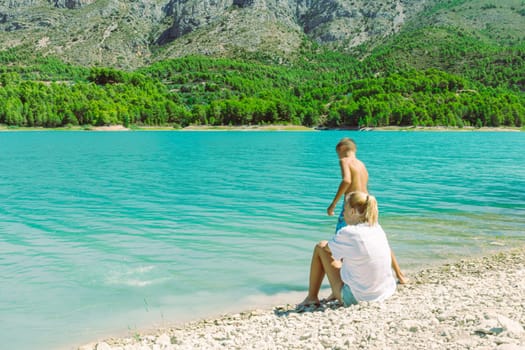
(366, 266)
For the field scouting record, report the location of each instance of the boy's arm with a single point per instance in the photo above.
(343, 186)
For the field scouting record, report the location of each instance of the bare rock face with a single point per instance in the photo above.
(243, 3)
(72, 4)
(22, 3)
(326, 21)
(126, 33)
(189, 15)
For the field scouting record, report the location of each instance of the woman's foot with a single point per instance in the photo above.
(308, 304)
(329, 299)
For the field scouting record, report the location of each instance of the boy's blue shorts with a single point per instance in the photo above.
(340, 221)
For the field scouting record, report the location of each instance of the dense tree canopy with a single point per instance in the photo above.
(321, 88)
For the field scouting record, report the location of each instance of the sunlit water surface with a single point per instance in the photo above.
(105, 233)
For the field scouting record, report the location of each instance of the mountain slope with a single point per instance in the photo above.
(475, 39)
(105, 32)
(452, 62)
(128, 34)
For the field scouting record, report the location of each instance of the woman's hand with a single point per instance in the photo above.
(337, 264)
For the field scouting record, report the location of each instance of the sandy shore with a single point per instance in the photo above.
(477, 303)
(274, 127)
(443, 128)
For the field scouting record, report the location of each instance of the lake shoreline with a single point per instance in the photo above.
(471, 303)
(273, 127)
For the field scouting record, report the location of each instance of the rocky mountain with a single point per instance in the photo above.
(132, 33)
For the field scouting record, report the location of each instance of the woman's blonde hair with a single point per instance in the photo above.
(366, 205)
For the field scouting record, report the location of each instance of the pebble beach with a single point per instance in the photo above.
(475, 303)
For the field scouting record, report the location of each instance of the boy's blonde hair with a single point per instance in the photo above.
(365, 204)
(346, 143)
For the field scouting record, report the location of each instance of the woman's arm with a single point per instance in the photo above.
(395, 266)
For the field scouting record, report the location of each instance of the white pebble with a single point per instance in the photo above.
(163, 340)
(103, 346)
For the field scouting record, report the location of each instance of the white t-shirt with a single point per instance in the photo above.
(366, 267)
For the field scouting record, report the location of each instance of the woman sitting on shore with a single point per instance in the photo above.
(356, 260)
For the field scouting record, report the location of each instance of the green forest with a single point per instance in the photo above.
(462, 83)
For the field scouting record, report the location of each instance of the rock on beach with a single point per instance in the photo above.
(476, 303)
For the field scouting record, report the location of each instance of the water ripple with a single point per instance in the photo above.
(107, 231)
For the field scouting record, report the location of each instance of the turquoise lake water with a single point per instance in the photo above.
(105, 233)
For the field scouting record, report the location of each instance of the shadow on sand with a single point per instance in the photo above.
(286, 310)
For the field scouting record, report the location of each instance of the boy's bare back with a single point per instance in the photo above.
(358, 174)
(354, 176)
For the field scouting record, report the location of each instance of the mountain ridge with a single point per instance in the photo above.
(129, 34)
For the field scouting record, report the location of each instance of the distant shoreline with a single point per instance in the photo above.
(273, 127)
(444, 128)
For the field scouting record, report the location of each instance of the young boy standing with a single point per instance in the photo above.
(354, 177)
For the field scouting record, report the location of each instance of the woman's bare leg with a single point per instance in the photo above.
(332, 269)
(317, 274)
(321, 265)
